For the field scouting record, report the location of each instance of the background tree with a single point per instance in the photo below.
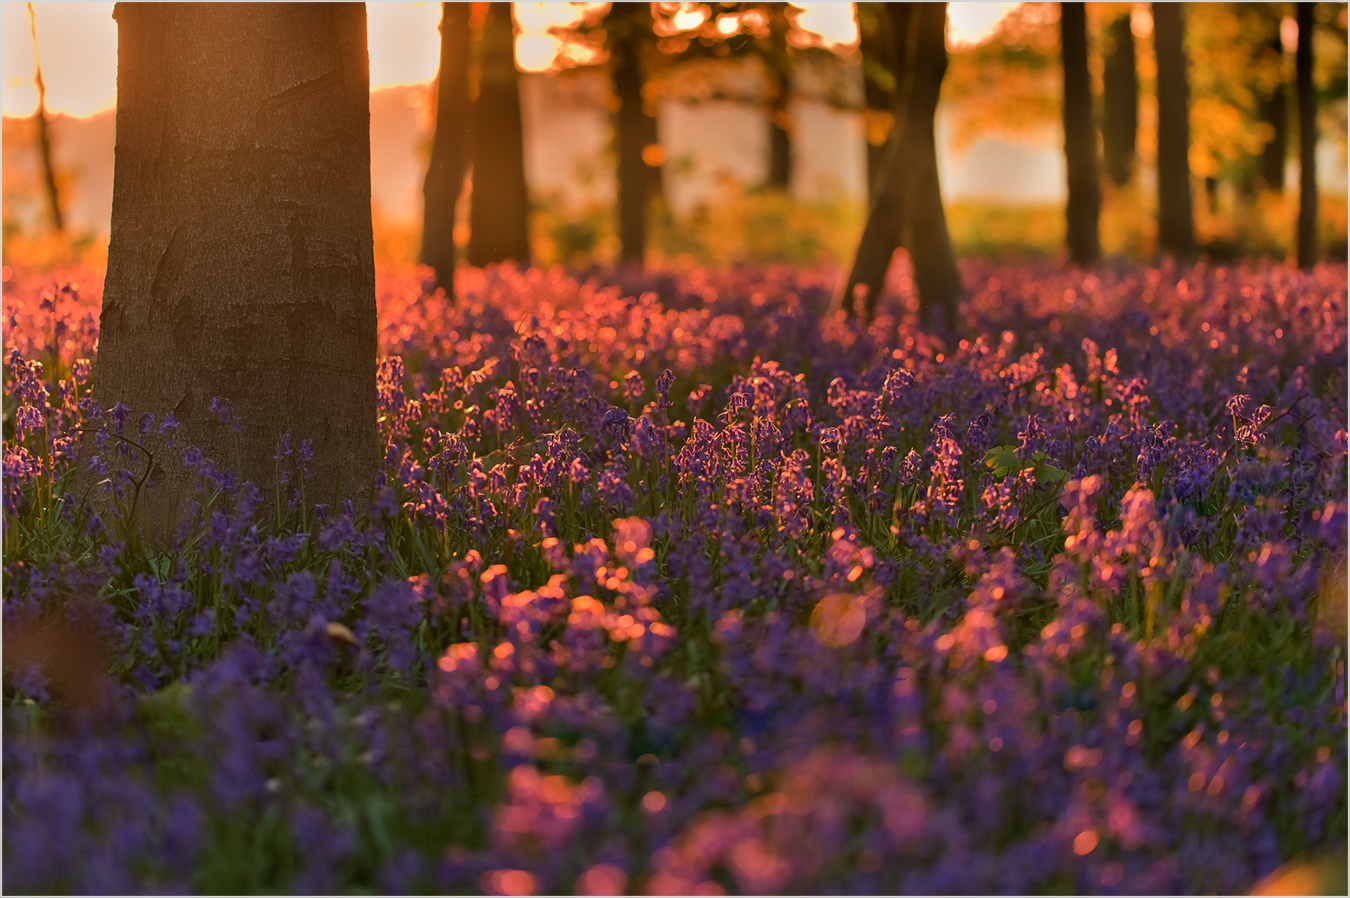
(499, 212)
(241, 262)
(778, 66)
(1176, 230)
(1273, 109)
(449, 146)
(908, 194)
(628, 29)
(1307, 138)
(1120, 101)
(44, 138)
(1080, 138)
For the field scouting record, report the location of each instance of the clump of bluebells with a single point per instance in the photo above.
(679, 585)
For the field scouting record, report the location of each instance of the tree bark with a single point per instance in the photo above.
(909, 196)
(499, 213)
(1120, 103)
(449, 147)
(1080, 138)
(1176, 230)
(1274, 110)
(779, 66)
(241, 261)
(634, 130)
(1307, 138)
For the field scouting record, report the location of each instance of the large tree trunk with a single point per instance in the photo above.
(879, 62)
(499, 213)
(241, 262)
(634, 130)
(1273, 109)
(780, 116)
(1176, 230)
(909, 197)
(1080, 138)
(449, 147)
(1307, 139)
(1120, 103)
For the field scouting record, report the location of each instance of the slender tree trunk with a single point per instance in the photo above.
(1080, 138)
(44, 138)
(780, 116)
(499, 213)
(634, 130)
(449, 147)
(780, 134)
(877, 44)
(909, 190)
(1176, 230)
(1307, 139)
(1274, 110)
(1120, 103)
(241, 262)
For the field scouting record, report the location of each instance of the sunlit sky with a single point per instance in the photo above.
(78, 45)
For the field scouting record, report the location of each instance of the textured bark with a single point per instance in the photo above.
(1176, 229)
(449, 147)
(499, 213)
(44, 139)
(1307, 139)
(1273, 109)
(1120, 103)
(909, 196)
(1080, 138)
(241, 262)
(634, 130)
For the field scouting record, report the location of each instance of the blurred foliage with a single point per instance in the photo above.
(1009, 84)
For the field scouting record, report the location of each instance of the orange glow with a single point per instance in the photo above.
(1085, 842)
(971, 23)
(837, 620)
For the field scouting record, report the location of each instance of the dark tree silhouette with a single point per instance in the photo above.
(1176, 229)
(44, 138)
(499, 212)
(628, 27)
(1120, 102)
(241, 262)
(908, 195)
(779, 63)
(1080, 138)
(1307, 138)
(1273, 109)
(876, 41)
(449, 146)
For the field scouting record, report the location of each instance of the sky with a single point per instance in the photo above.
(78, 45)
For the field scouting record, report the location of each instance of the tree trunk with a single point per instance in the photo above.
(449, 147)
(44, 139)
(1274, 110)
(499, 213)
(241, 261)
(779, 66)
(1307, 139)
(1176, 230)
(780, 134)
(1080, 138)
(879, 61)
(909, 197)
(634, 130)
(1120, 103)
